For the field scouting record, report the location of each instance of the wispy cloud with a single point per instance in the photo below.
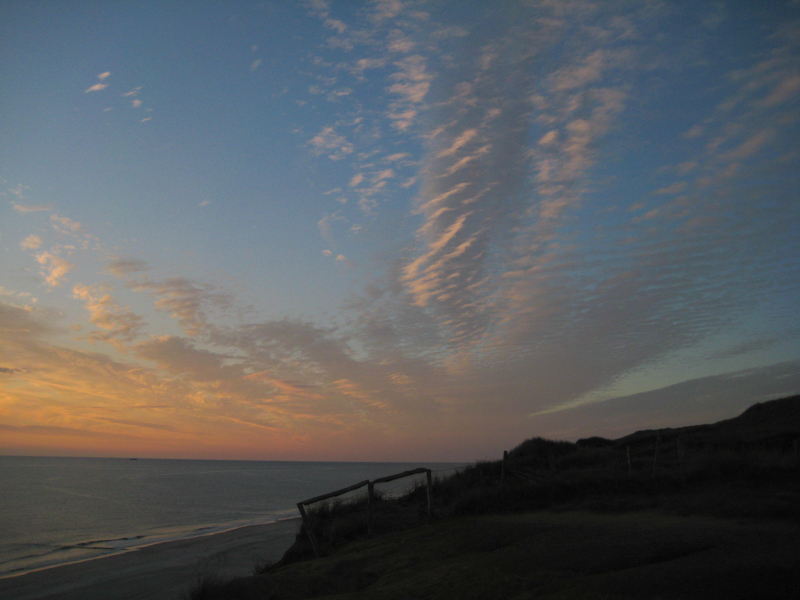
(65, 224)
(97, 87)
(325, 225)
(328, 141)
(55, 267)
(32, 242)
(185, 300)
(123, 267)
(115, 321)
(29, 208)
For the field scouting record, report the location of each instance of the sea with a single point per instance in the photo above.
(55, 511)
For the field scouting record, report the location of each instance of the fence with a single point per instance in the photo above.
(667, 451)
(370, 487)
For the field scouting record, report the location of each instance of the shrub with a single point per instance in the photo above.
(213, 587)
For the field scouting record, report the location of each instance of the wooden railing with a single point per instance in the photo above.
(370, 486)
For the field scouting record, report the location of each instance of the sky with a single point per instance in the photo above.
(392, 230)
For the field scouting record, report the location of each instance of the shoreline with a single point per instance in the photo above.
(214, 530)
(159, 570)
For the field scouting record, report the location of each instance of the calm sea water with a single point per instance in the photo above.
(59, 510)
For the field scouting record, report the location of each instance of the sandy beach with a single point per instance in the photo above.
(157, 572)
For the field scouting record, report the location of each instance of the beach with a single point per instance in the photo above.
(163, 571)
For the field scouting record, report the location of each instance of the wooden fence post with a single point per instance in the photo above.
(655, 454)
(429, 479)
(311, 535)
(309, 530)
(370, 485)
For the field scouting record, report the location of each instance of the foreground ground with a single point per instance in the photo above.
(646, 554)
(708, 511)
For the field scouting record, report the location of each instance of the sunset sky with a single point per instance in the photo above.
(392, 230)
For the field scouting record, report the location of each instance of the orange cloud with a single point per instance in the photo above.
(56, 267)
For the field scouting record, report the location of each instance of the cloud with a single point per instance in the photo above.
(788, 87)
(386, 9)
(293, 379)
(56, 267)
(413, 83)
(549, 138)
(471, 181)
(537, 253)
(750, 146)
(328, 141)
(325, 225)
(51, 430)
(29, 208)
(363, 64)
(517, 289)
(32, 242)
(139, 424)
(695, 132)
(185, 300)
(336, 25)
(674, 188)
(60, 391)
(123, 267)
(589, 70)
(458, 143)
(65, 224)
(115, 321)
(178, 355)
(493, 266)
(11, 293)
(697, 401)
(411, 92)
(19, 191)
(294, 387)
(97, 87)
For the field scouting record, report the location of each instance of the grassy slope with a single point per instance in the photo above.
(720, 519)
(551, 555)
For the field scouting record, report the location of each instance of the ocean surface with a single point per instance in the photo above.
(59, 510)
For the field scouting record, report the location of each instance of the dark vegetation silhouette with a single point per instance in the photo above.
(746, 468)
